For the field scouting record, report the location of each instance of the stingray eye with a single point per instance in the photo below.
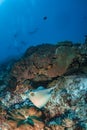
(32, 94)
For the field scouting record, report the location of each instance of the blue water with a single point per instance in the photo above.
(24, 23)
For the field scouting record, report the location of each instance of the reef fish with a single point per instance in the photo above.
(40, 96)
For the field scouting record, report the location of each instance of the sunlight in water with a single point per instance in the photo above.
(1, 1)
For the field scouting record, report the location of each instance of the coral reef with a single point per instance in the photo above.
(44, 62)
(63, 65)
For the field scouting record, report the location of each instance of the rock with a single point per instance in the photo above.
(46, 65)
(45, 62)
(67, 106)
(70, 95)
(55, 127)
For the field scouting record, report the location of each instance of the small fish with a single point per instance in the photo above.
(40, 96)
(45, 18)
